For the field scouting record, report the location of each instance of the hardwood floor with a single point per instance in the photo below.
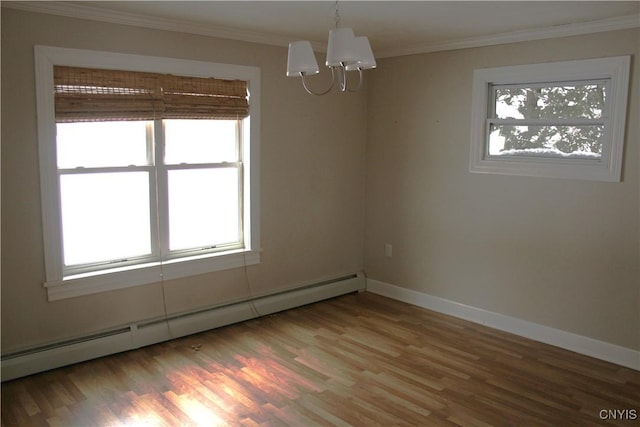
(360, 359)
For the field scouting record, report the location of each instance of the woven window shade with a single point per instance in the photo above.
(84, 94)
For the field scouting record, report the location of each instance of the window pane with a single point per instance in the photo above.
(203, 207)
(200, 141)
(550, 102)
(95, 144)
(547, 141)
(105, 216)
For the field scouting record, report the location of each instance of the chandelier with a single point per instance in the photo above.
(345, 53)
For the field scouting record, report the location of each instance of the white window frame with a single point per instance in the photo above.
(613, 70)
(57, 285)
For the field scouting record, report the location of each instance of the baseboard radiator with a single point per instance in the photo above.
(31, 361)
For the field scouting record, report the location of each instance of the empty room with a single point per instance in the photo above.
(318, 213)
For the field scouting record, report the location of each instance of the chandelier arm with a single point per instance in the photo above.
(343, 77)
(309, 91)
(360, 79)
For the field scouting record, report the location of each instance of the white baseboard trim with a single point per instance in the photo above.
(145, 333)
(580, 344)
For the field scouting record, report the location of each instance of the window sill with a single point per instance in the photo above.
(592, 170)
(127, 277)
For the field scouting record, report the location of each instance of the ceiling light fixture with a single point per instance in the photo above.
(345, 52)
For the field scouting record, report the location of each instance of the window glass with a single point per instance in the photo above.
(203, 207)
(584, 141)
(548, 120)
(200, 141)
(105, 216)
(96, 144)
(562, 101)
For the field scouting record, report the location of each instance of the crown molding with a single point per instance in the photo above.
(71, 10)
(575, 29)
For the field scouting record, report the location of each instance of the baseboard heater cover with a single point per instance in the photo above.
(138, 335)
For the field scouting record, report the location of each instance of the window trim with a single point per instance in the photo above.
(60, 287)
(615, 70)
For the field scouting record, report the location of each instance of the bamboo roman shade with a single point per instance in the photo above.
(85, 94)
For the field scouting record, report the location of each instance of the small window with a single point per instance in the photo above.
(560, 120)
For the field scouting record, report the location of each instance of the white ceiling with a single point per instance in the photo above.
(393, 27)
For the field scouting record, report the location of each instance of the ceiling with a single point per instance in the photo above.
(393, 27)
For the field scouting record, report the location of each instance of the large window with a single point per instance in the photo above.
(561, 120)
(149, 168)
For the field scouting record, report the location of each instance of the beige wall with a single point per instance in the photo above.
(561, 253)
(312, 183)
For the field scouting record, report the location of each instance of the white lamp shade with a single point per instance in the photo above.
(342, 47)
(365, 56)
(301, 59)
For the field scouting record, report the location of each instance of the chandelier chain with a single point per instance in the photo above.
(336, 17)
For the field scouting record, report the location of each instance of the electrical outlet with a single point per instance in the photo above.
(388, 250)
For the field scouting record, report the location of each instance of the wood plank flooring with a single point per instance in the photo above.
(359, 360)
